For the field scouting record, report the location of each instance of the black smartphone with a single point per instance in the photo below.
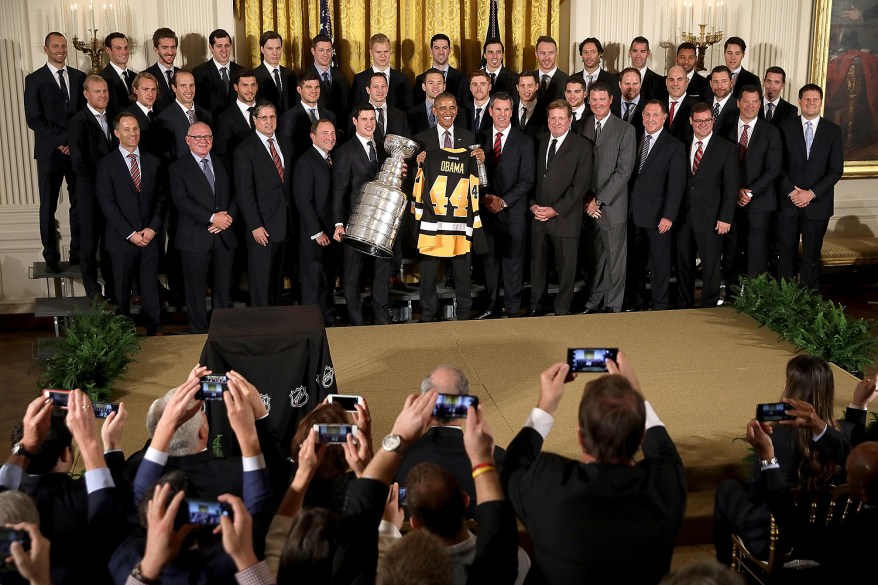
(590, 359)
(773, 411)
(212, 388)
(59, 397)
(334, 433)
(8, 536)
(103, 409)
(206, 512)
(454, 405)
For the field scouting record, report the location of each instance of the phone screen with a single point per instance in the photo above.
(8, 536)
(212, 387)
(59, 397)
(206, 512)
(103, 409)
(336, 433)
(590, 359)
(454, 405)
(773, 411)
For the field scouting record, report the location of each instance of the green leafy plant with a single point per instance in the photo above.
(805, 319)
(92, 353)
(216, 446)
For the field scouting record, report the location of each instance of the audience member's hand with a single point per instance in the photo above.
(37, 422)
(358, 453)
(393, 512)
(162, 541)
(414, 420)
(363, 419)
(865, 392)
(81, 422)
(197, 372)
(249, 392)
(113, 427)
(242, 420)
(552, 386)
(182, 405)
(623, 368)
(477, 437)
(309, 457)
(805, 415)
(32, 564)
(237, 533)
(759, 436)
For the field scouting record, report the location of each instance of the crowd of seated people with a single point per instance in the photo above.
(174, 512)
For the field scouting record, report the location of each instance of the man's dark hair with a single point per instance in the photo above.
(177, 74)
(50, 35)
(243, 73)
(432, 71)
(321, 39)
(596, 43)
(575, 80)
(440, 37)
(269, 35)
(493, 41)
(310, 547)
(736, 41)
(163, 33)
(309, 76)
(660, 103)
(108, 40)
(435, 499)
(445, 95)
(502, 96)
(560, 104)
(686, 45)
(630, 70)
(261, 106)
(316, 124)
(532, 74)
(699, 107)
(375, 74)
(779, 71)
(178, 481)
(721, 69)
(218, 34)
(362, 107)
(545, 39)
(600, 86)
(811, 87)
(642, 40)
(118, 119)
(750, 88)
(612, 418)
(58, 439)
(478, 73)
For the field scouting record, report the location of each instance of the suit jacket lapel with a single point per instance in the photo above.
(565, 146)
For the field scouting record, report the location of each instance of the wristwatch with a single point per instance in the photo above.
(766, 462)
(18, 449)
(136, 574)
(394, 444)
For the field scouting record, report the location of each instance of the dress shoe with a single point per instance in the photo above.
(53, 267)
(383, 316)
(536, 313)
(489, 314)
(589, 311)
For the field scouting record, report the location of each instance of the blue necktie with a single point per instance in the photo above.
(208, 172)
(809, 139)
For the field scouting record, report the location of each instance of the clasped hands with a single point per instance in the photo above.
(221, 221)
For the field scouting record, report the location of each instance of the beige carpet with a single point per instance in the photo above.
(703, 370)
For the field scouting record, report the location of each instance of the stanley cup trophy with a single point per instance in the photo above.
(377, 213)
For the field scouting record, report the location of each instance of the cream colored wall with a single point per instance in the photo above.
(777, 32)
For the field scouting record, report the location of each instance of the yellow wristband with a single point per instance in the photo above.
(482, 470)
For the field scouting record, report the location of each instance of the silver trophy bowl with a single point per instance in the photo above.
(377, 211)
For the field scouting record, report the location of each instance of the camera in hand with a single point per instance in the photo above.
(773, 411)
(206, 512)
(59, 397)
(348, 401)
(334, 433)
(8, 536)
(590, 359)
(103, 409)
(450, 406)
(212, 388)
(403, 497)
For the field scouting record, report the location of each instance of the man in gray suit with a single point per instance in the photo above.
(607, 201)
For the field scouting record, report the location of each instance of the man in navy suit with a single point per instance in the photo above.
(276, 82)
(574, 94)
(179, 115)
(119, 77)
(552, 80)
(721, 99)
(296, 122)
(687, 58)
(813, 164)
(399, 90)
(52, 95)
(651, 83)
(335, 90)
(215, 77)
(711, 193)
(529, 117)
(420, 115)
(656, 192)
(235, 123)
(734, 50)
(477, 116)
(145, 92)
(388, 119)
(591, 50)
(263, 165)
(502, 79)
(509, 160)
(130, 194)
(164, 43)
(630, 107)
(775, 109)
(202, 194)
(455, 81)
(313, 197)
(679, 103)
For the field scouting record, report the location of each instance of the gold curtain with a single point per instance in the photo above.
(408, 23)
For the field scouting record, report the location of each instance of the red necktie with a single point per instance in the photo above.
(135, 171)
(742, 144)
(277, 164)
(498, 146)
(697, 160)
(671, 113)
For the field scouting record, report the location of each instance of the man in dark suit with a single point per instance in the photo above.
(335, 90)
(813, 164)
(399, 90)
(420, 115)
(574, 94)
(509, 160)
(679, 103)
(174, 122)
(586, 495)
(455, 81)
(202, 194)
(276, 82)
(760, 161)
(564, 164)
(313, 197)
(214, 79)
(606, 202)
(708, 209)
(687, 58)
(476, 111)
(630, 107)
(91, 139)
(263, 186)
(502, 79)
(551, 79)
(591, 50)
(656, 192)
(164, 43)
(119, 77)
(651, 83)
(145, 92)
(356, 162)
(775, 109)
(296, 122)
(131, 195)
(445, 134)
(529, 117)
(722, 102)
(388, 119)
(733, 52)
(52, 95)
(235, 123)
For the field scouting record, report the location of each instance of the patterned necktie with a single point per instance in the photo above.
(135, 171)
(809, 139)
(551, 154)
(545, 83)
(63, 85)
(191, 115)
(313, 113)
(742, 144)
(627, 115)
(280, 87)
(671, 113)
(431, 119)
(224, 75)
(498, 147)
(373, 158)
(126, 78)
(102, 120)
(446, 143)
(697, 160)
(770, 113)
(381, 119)
(274, 156)
(715, 111)
(208, 173)
(478, 119)
(644, 152)
(169, 76)
(597, 131)
(329, 160)
(326, 78)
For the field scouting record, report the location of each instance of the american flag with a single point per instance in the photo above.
(326, 25)
(493, 30)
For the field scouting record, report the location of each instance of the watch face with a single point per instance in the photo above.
(390, 442)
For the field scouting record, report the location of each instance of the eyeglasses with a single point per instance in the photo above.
(266, 118)
(704, 121)
(200, 138)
